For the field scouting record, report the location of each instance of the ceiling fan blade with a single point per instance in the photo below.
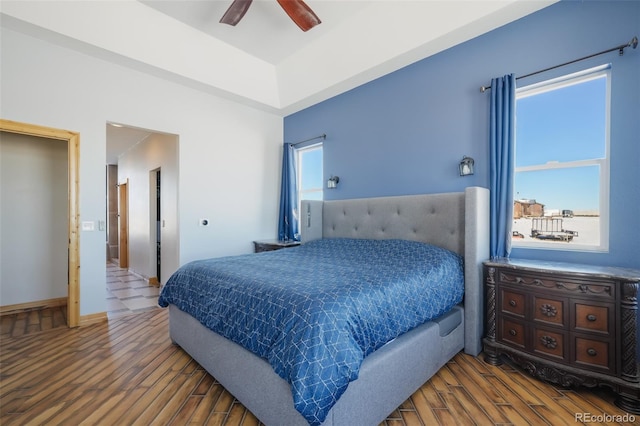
(236, 11)
(300, 13)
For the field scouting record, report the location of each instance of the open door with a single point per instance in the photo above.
(123, 227)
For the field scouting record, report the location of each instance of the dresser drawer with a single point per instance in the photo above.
(557, 284)
(550, 311)
(593, 352)
(513, 302)
(593, 318)
(551, 344)
(512, 333)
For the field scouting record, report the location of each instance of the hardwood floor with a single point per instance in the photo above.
(127, 372)
(32, 321)
(126, 294)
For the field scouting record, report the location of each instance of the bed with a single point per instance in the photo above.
(388, 372)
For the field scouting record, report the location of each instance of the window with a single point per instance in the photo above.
(309, 161)
(561, 183)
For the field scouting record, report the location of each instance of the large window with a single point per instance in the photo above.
(562, 167)
(309, 161)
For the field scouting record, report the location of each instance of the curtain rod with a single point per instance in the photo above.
(322, 136)
(633, 43)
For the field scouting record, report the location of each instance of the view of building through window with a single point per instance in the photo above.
(561, 175)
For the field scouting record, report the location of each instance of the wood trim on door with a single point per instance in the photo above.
(123, 224)
(73, 149)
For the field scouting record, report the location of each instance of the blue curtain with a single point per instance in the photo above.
(502, 163)
(288, 218)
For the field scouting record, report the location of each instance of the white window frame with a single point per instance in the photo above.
(603, 71)
(299, 152)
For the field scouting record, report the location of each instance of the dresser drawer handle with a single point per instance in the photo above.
(591, 317)
(513, 332)
(512, 303)
(548, 342)
(592, 352)
(548, 310)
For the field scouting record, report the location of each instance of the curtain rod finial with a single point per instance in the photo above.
(633, 43)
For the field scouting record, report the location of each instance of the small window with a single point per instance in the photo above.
(309, 161)
(561, 186)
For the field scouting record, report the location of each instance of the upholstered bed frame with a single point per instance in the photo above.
(457, 221)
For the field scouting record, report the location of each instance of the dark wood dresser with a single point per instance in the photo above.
(270, 245)
(569, 324)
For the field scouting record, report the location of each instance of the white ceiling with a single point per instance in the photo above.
(265, 61)
(266, 31)
(122, 138)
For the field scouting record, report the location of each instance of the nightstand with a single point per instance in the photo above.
(569, 324)
(270, 245)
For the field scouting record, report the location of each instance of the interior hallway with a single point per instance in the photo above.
(128, 293)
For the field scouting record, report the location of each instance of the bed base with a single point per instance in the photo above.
(386, 378)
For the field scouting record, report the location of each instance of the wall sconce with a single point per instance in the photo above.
(466, 166)
(333, 182)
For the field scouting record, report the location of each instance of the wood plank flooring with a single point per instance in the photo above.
(127, 372)
(126, 294)
(32, 321)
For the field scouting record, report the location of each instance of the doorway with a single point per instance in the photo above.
(73, 257)
(147, 161)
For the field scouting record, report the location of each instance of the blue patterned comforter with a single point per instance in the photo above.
(316, 310)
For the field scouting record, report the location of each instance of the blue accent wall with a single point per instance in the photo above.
(406, 132)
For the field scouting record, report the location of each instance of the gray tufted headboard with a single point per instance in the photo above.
(458, 221)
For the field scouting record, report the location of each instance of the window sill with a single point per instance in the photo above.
(555, 246)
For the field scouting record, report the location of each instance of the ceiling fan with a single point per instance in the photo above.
(297, 10)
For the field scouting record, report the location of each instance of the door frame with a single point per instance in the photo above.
(155, 225)
(123, 224)
(73, 150)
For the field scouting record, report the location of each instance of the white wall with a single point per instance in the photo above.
(228, 158)
(33, 219)
(158, 151)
